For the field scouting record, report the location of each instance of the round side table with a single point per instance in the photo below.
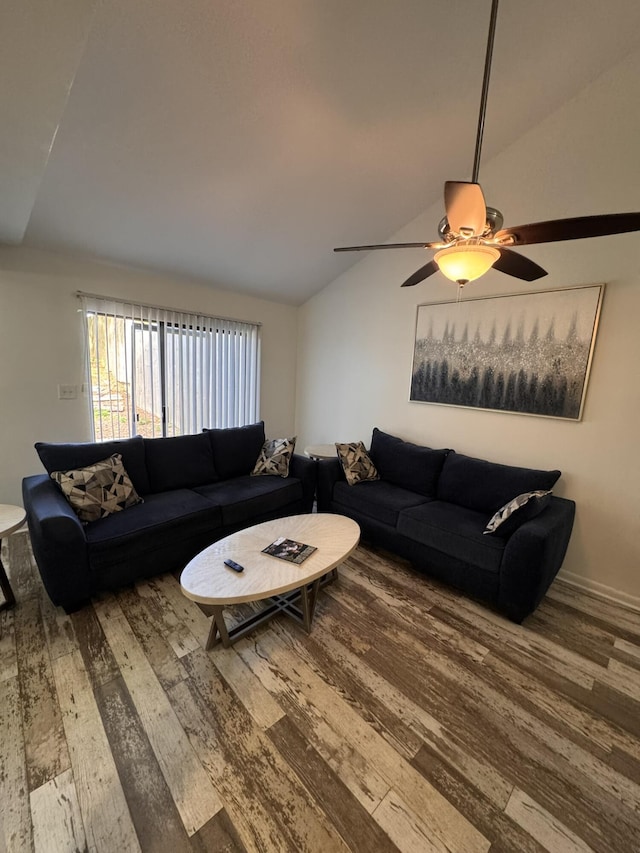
(11, 519)
(320, 451)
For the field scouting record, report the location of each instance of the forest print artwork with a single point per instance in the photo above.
(528, 353)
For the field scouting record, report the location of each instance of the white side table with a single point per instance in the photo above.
(321, 451)
(11, 519)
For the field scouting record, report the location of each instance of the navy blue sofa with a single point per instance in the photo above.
(196, 490)
(432, 506)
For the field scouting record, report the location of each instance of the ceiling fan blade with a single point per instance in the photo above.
(421, 274)
(577, 228)
(465, 206)
(518, 266)
(388, 246)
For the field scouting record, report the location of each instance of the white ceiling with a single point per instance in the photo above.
(238, 141)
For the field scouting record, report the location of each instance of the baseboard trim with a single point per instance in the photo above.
(600, 590)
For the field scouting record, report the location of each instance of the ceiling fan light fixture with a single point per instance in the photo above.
(466, 262)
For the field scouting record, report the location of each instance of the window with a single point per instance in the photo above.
(155, 372)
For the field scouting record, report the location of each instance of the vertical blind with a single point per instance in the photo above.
(157, 372)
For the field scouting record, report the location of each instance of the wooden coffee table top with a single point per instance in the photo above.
(11, 518)
(208, 581)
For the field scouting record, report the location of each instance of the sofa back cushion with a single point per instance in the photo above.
(73, 455)
(236, 449)
(486, 486)
(408, 465)
(179, 462)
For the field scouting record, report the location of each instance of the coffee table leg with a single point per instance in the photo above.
(308, 598)
(9, 597)
(217, 627)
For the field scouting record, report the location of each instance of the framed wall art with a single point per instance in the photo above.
(528, 353)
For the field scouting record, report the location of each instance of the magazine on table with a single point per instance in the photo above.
(290, 550)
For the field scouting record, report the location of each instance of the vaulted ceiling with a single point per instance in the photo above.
(239, 142)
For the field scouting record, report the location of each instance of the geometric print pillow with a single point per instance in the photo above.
(275, 457)
(356, 463)
(99, 489)
(513, 514)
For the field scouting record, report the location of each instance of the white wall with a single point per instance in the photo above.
(41, 346)
(356, 336)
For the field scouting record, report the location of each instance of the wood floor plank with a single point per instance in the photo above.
(58, 628)
(605, 612)
(405, 828)
(22, 571)
(505, 835)
(98, 658)
(443, 820)
(427, 729)
(255, 824)
(8, 655)
(573, 629)
(628, 679)
(218, 835)
(490, 629)
(45, 744)
(55, 812)
(544, 827)
(353, 822)
(341, 754)
(359, 572)
(264, 772)
(196, 799)
(144, 786)
(327, 662)
(248, 688)
(626, 652)
(177, 634)
(168, 592)
(158, 651)
(631, 649)
(105, 815)
(569, 781)
(15, 822)
(410, 717)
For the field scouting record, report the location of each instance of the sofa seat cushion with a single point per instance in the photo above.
(160, 522)
(244, 498)
(453, 530)
(487, 486)
(376, 498)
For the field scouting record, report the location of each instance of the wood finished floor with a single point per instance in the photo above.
(410, 719)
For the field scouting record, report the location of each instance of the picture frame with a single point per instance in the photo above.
(522, 353)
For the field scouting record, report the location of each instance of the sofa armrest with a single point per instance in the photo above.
(532, 558)
(58, 541)
(306, 470)
(329, 473)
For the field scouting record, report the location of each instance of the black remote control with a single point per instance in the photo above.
(233, 565)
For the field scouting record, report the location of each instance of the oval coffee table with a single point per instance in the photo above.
(11, 519)
(287, 587)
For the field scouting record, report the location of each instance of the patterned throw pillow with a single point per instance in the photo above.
(275, 457)
(356, 463)
(513, 514)
(98, 490)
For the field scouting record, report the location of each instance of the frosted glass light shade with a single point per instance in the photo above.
(466, 262)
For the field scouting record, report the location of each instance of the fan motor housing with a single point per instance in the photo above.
(495, 221)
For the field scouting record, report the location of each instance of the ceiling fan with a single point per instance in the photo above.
(472, 239)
